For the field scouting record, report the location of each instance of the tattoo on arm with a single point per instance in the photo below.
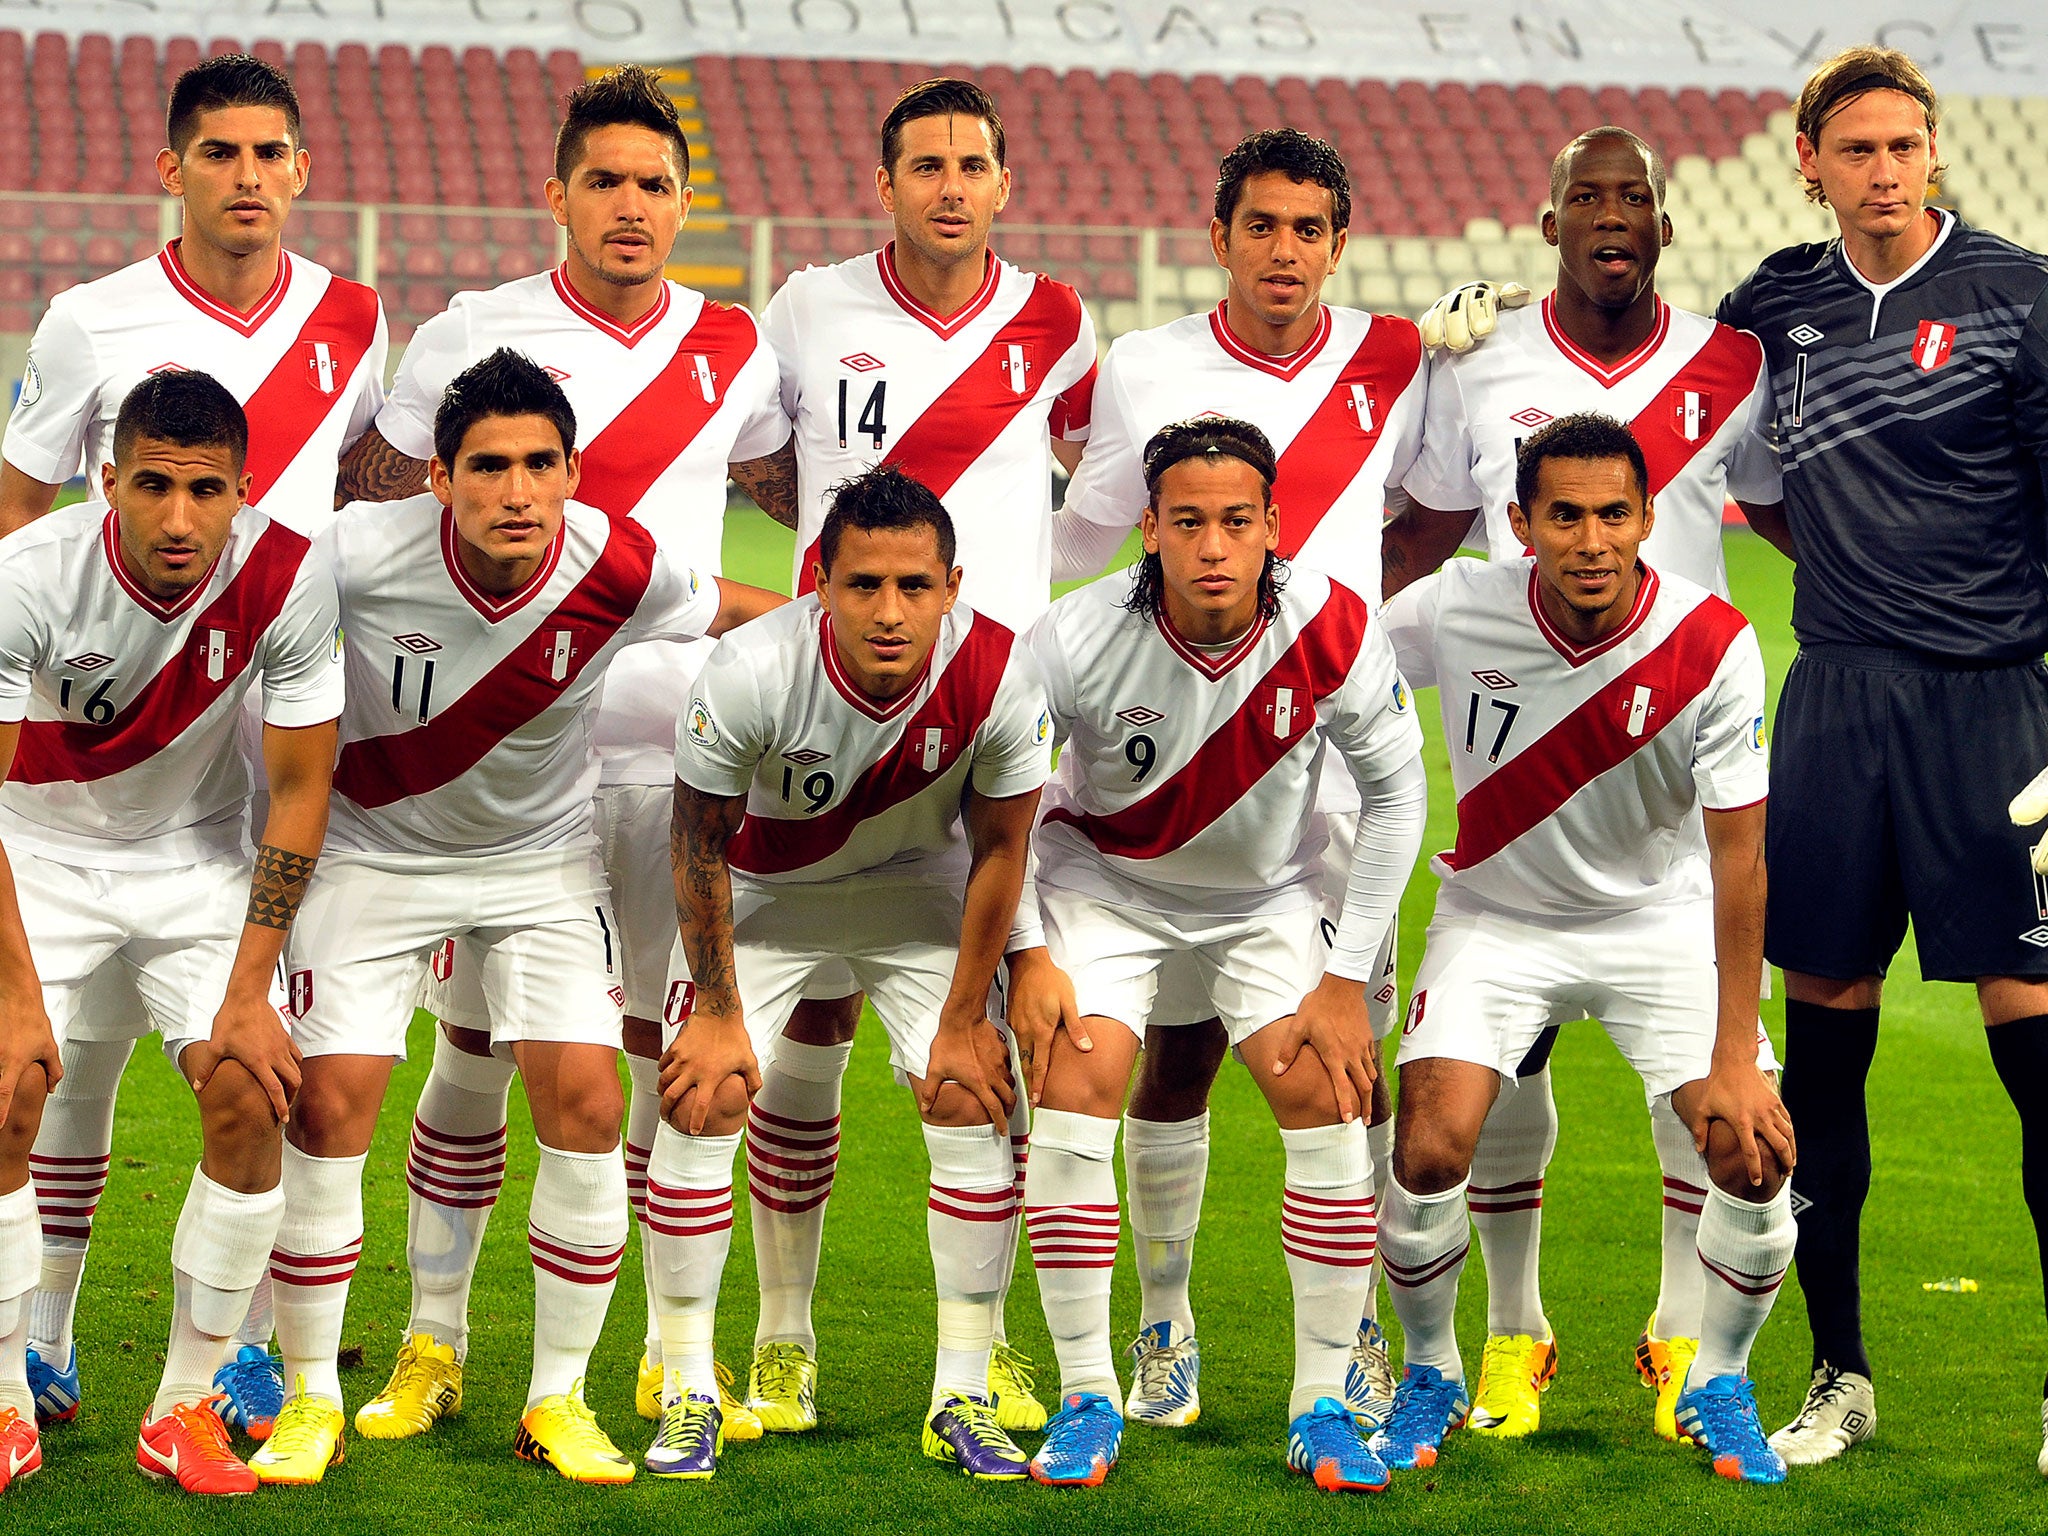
(699, 828)
(278, 886)
(771, 482)
(373, 470)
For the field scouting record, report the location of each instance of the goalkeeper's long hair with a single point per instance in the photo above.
(1205, 437)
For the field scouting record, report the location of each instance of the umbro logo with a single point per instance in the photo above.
(2038, 937)
(417, 643)
(862, 362)
(170, 368)
(1531, 418)
(1139, 716)
(1494, 680)
(1800, 1204)
(91, 661)
(803, 757)
(1805, 335)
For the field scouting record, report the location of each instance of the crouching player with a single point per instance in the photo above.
(479, 620)
(856, 778)
(129, 639)
(1196, 703)
(1593, 708)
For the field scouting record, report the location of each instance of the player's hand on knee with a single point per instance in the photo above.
(1041, 1004)
(1465, 316)
(706, 1054)
(248, 1029)
(2029, 806)
(1334, 1020)
(1739, 1096)
(26, 1043)
(970, 1051)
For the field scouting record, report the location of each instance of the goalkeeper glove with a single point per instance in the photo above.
(1465, 316)
(2029, 806)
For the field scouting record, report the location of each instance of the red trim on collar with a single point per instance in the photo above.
(1570, 650)
(246, 323)
(1607, 375)
(155, 607)
(1280, 367)
(945, 327)
(625, 335)
(1213, 664)
(852, 691)
(489, 604)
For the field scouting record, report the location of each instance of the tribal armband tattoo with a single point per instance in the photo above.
(278, 886)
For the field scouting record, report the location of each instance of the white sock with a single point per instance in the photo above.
(454, 1170)
(576, 1230)
(1070, 1210)
(1328, 1230)
(1379, 1143)
(1018, 1139)
(689, 1225)
(1681, 1287)
(218, 1253)
(1505, 1196)
(1166, 1164)
(318, 1244)
(20, 1263)
(69, 1162)
(792, 1155)
(1744, 1249)
(643, 1114)
(971, 1210)
(259, 1319)
(1423, 1243)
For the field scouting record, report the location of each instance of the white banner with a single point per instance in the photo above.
(1980, 47)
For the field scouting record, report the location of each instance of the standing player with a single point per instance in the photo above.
(479, 621)
(1695, 392)
(131, 632)
(303, 351)
(937, 357)
(856, 780)
(1340, 395)
(1637, 700)
(1198, 701)
(671, 391)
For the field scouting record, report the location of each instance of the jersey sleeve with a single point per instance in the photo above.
(1753, 472)
(681, 603)
(1407, 448)
(1371, 716)
(436, 354)
(1073, 407)
(778, 321)
(1054, 674)
(722, 735)
(765, 427)
(60, 396)
(1441, 477)
(21, 637)
(2030, 387)
(302, 652)
(370, 401)
(1013, 750)
(1409, 621)
(1731, 767)
(1108, 488)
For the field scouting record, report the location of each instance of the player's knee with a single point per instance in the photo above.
(955, 1106)
(327, 1115)
(24, 1117)
(232, 1100)
(824, 1021)
(1428, 1159)
(588, 1113)
(728, 1111)
(475, 1042)
(1177, 1070)
(1730, 1172)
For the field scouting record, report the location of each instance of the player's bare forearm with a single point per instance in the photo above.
(700, 826)
(23, 498)
(1735, 850)
(373, 470)
(738, 603)
(298, 767)
(771, 482)
(1416, 540)
(999, 831)
(1773, 525)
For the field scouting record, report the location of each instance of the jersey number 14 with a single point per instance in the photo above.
(870, 424)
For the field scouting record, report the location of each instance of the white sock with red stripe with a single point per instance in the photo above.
(1744, 1249)
(971, 1210)
(1681, 1290)
(1329, 1229)
(1070, 1210)
(1166, 1166)
(20, 1263)
(576, 1229)
(318, 1243)
(643, 1114)
(1379, 1144)
(689, 1226)
(69, 1163)
(454, 1170)
(1423, 1243)
(1505, 1195)
(792, 1155)
(219, 1251)
(1017, 1137)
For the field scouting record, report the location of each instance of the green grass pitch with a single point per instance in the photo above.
(1958, 1375)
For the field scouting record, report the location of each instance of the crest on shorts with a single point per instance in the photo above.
(681, 1001)
(1018, 363)
(1932, 344)
(299, 993)
(559, 649)
(1287, 710)
(322, 366)
(443, 963)
(1362, 400)
(1415, 1006)
(1691, 413)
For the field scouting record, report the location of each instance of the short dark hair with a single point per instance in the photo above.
(185, 407)
(1856, 72)
(629, 96)
(1584, 435)
(1292, 153)
(1209, 438)
(884, 498)
(1561, 165)
(228, 80)
(940, 98)
(506, 383)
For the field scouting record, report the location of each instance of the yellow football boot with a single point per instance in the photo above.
(425, 1387)
(1512, 1376)
(561, 1432)
(1010, 1380)
(304, 1443)
(782, 1388)
(741, 1422)
(647, 1390)
(1662, 1364)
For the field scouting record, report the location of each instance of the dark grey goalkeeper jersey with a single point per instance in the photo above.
(1913, 430)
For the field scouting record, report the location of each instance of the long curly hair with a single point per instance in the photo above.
(1205, 437)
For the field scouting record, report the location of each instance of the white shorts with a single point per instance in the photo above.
(1490, 984)
(1246, 971)
(897, 943)
(540, 924)
(163, 939)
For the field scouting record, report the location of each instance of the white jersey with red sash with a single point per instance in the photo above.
(307, 364)
(1581, 771)
(129, 707)
(662, 407)
(1692, 393)
(464, 731)
(841, 787)
(963, 404)
(1344, 414)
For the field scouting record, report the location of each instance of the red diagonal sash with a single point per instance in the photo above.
(1330, 449)
(959, 703)
(1532, 785)
(1725, 369)
(381, 769)
(639, 444)
(288, 406)
(1238, 754)
(70, 751)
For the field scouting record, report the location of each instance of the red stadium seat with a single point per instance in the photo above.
(16, 250)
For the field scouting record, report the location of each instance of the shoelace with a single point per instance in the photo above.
(1018, 1366)
(1821, 1395)
(202, 1425)
(979, 1419)
(780, 1371)
(686, 1425)
(250, 1379)
(1156, 1368)
(1414, 1400)
(1503, 1365)
(1373, 1361)
(1733, 1413)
